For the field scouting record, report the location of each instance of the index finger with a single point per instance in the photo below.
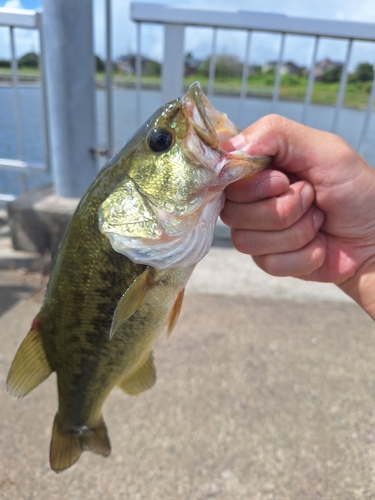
(265, 184)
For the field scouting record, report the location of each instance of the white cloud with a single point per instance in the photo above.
(12, 4)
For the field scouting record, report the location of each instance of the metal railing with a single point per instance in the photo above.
(176, 20)
(25, 19)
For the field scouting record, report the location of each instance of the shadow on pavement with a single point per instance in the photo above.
(17, 285)
(10, 295)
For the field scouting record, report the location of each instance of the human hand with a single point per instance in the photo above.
(312, 213)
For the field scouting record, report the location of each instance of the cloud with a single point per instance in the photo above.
(12, 4)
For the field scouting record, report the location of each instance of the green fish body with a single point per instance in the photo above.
(120, 272)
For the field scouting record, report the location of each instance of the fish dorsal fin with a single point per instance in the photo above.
(141, 379)
(175, 313)
(134, 297)
(30, 366)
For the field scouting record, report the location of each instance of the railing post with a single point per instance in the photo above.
(69, 68)
(173, 62)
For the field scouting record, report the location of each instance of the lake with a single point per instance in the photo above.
(319, 116)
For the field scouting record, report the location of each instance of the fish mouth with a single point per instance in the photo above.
(211, 126)
(179, 234)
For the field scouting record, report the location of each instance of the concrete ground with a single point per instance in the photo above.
(266, 390)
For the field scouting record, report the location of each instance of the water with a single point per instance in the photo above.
(350, 124)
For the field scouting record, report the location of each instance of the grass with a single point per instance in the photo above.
(260, 85)
(24, 74)
(293, 88)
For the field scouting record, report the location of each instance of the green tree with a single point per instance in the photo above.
(99, 64)
(364, 72)
(291, 80)
(4, 63)
(227, 66)
(331, 75)
(153, 68)
(204, 67)
(29, 60)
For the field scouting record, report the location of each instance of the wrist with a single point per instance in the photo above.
(361, 287)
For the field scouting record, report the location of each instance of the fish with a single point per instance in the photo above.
(119, 275)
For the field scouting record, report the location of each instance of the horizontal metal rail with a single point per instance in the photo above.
(19, 18)
(276, 23)
(7, 197)
(17, 165)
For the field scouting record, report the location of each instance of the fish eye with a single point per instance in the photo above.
(160, 139)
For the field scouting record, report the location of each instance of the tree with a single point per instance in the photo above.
(226, 66)
(364, 72)
(4, 63)
(99, 64)
(331, 75)
(153, 68)
(29, 60)
(191, 64)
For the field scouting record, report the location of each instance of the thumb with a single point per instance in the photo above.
(295, 148)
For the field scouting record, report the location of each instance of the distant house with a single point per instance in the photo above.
(127, 64)
(269, 66)
(191, 64)
(326, 64)
(253, 68)
(287, 68)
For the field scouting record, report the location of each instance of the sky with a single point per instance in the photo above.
(198, 40)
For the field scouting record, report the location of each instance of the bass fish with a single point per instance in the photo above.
(119, 275)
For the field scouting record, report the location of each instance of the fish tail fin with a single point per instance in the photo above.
(67, 446)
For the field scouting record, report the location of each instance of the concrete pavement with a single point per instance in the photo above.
(266, 390)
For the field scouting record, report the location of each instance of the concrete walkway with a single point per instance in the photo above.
(266, 390)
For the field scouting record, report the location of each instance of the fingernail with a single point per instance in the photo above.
(272, 187)
(320, 236)
(237, 141)
(318, 217)
(307, 196)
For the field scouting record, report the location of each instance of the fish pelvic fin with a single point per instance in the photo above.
(67, 445)
(30, 366)
(142, 379)
(175, 313)
(134, 297)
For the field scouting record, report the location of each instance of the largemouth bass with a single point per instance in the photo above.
(120, 272)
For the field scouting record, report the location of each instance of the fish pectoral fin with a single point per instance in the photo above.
(67, 446)
(134, 297)
(141, 379)
(175, 313)
(30, 366)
